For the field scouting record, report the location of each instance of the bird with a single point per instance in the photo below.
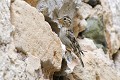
(67, 37)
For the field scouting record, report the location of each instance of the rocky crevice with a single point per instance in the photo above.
(92, 3)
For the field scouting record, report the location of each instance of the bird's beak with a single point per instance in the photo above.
(60, 20)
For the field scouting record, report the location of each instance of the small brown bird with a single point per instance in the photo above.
(67, 37)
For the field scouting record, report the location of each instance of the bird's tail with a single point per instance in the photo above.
(78, 49)
(81, 62)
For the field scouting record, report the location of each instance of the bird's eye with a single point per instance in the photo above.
(64, 18)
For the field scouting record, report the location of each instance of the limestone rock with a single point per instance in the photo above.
(30, 60)
(116, 58)
(87, 44)
(97, 67)
(10, 66)
(79, 24)
(97, 11)
(49, 7)
(110, 21)
(5, 26)
(29, 50)
(115, 41)
(33, 36)
(84, 10)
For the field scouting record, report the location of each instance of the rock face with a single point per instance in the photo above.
(5, 25)
(98, 12)
(115, 33)
(30, 49)
(30, 46)
(33, 35)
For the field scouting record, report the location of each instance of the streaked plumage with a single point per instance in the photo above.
(67, 37)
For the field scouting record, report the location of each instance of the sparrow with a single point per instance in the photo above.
(68, 38)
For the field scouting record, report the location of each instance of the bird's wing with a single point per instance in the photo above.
(75, 44)
(65, 40)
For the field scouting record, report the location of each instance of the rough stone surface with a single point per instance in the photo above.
(85, 10)
(115, 30)
(29, 50)
(117, 62)
(97, 67)
(5, 25)
(50, 7)
(24, 54)
(109, 19)
(30, 60)
(33, 35)
(78, 23)
(86, 44)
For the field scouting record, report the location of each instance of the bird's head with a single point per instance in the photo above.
(65, 21)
